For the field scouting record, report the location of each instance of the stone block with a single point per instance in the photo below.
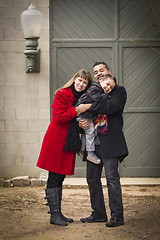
(42, 3)
(20, 47)
(43, 182)
(2, 102)
(8, 160)
(16, 102)
(1, 35)
(13, 34)
(9, 91)
(7, 137)
(7, 114)
(43, 103)
(8, 46)
(9, 148)
(44, 114)
(44, 92)
(11, 56)
(26, 137)
(24, 4)
(9, 23)
(26, 114)
(35, 125)
(7, 3)
(1, 182)
(1, 125)
(2, 80)
(44, 80)
(43, 176)
(7, 183)
(36, 182)
(16, 125)
(29, 170)
(12, 78)
(2, 57)
(22, 181)
(2, 12)
(26, 91)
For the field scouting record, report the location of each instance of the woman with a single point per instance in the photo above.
(61, 141)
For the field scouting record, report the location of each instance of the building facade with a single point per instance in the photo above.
(75, 34)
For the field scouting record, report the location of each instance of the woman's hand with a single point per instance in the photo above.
(82, 108)
(85, 124)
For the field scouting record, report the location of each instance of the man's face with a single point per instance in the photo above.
(100, 71)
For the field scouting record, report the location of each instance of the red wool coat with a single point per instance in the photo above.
(52, 157)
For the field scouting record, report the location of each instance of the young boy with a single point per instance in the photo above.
(98, 91)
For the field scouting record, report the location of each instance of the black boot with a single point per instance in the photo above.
(52, 197)
(60, 199)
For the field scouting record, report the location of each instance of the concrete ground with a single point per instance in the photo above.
(124, 181)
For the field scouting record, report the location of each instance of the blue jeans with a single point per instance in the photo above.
(94, 172)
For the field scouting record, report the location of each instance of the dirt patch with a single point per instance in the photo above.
(23, 215)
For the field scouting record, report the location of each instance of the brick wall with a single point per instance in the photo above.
(24, 98)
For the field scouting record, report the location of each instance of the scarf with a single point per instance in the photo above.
(73, 141)
(101, 125)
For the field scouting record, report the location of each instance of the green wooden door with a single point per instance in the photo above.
(83, 32)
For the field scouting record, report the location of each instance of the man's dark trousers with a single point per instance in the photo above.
(94, 172)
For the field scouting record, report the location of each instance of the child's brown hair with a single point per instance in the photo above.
(111, 77)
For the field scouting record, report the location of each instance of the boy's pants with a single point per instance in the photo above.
(88, 139)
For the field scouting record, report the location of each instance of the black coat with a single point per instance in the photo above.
(113, 143)
(94, 94)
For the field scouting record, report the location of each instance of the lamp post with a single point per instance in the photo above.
(31, 21)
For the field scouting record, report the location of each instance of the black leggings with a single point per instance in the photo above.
(55, 180)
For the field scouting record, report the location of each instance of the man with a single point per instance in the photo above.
(111, 148)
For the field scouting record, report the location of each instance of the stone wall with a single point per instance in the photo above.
(24, 97)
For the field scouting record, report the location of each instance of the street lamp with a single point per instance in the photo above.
(31, 21)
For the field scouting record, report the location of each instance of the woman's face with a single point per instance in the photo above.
(80, 84)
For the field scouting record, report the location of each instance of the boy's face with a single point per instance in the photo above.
(107, 85)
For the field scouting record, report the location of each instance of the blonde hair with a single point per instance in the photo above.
(83, 73)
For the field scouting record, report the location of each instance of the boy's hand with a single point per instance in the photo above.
(85, 124)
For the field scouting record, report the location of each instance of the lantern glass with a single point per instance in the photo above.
(31, 21)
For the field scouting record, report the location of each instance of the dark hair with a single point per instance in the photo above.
(111, 77)
(98, 63)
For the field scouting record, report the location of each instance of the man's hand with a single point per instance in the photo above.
(85, 124)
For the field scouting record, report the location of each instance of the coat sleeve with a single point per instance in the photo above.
(63, 110)
(96, 95)
(114, 104)
(92, 95)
